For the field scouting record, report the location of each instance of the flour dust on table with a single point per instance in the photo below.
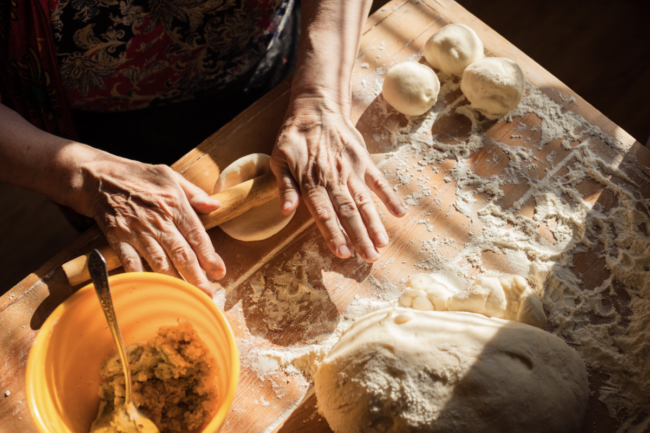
(567, 191)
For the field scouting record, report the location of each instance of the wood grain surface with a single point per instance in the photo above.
(402, 26)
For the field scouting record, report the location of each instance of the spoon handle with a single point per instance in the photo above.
(99, 275)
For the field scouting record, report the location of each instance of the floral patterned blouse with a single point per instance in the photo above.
(117, 55)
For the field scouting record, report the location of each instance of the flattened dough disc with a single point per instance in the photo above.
(261, 222)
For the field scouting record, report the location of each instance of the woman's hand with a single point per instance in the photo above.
(320, 155)
(151, 212)
(144, 210)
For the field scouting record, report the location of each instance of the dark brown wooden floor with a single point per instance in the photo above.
(600, 49)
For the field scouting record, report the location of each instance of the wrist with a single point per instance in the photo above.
(80, 169)
(316, 100)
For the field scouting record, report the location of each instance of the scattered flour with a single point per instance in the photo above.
(610, 333)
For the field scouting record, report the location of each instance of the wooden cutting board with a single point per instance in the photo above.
(400, 29)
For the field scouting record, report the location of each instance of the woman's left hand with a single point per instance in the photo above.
(321, 156)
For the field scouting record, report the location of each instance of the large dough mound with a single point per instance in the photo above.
(399, 370)
(411, 88)
(452, 48)
(261, 222)
(494, 84)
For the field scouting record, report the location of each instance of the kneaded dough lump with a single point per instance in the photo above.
(173, 382)
(399, 370)
(493, 84)
(411, 88)
(452, 48)
(262, 221)
(505, 296)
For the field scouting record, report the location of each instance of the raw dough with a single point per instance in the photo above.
(452, 48)
(173, 383)
(404, 371)
(261, 222)
(411, 88)
(493, 84)
(506, 296)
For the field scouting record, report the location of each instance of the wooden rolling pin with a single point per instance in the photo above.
(234, 202)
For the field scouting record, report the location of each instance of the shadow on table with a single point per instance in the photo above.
(588, 265)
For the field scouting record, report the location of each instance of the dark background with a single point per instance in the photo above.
(600, 49)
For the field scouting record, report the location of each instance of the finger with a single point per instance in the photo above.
(155, 255)
(320, 206)
(289, 192)
(380, 186)
(353, 224)
(194, 233)
(184, 259)
(129, 257)
(200, 201)
(363, 199)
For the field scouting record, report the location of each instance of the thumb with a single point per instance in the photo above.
(289, 191)
(199, 199)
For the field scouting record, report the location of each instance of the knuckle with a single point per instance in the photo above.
(164, 169)
(131, 262)
(347, 208)
(363, 198)
(158, 260)
(337, 239)
(323, 213)
(195, 236)
(380, 183)
(322, 208)
(182, 256)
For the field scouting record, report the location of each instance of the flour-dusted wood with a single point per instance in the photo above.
(403, 27)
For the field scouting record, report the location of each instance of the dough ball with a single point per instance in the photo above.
(437, 293)
(452, 48)
(420, 281)
(493, 84)
(411, 88)
(261, 222)
(399, 370)
(472, 299)
(510, 297)
(406, 299)
(422, 304)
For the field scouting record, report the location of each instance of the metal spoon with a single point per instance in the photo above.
(99, 274)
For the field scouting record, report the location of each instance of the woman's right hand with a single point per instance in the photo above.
(150, 211)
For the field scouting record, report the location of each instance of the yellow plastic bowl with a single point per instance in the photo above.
(62, 376)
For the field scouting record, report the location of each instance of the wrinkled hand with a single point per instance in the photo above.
(151, 212)
(320, 155)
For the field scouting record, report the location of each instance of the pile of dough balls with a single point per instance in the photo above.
(493, 84)
(399, 370)
(506, 297)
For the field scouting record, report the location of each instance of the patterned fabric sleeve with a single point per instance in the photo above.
(29, 71)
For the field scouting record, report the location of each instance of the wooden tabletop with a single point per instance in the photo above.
(401, 27)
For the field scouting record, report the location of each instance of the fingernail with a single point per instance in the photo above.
(343, 251)
(401, 210)
(382, 239)
(216, 202)
(371, 254)
(286, 205)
